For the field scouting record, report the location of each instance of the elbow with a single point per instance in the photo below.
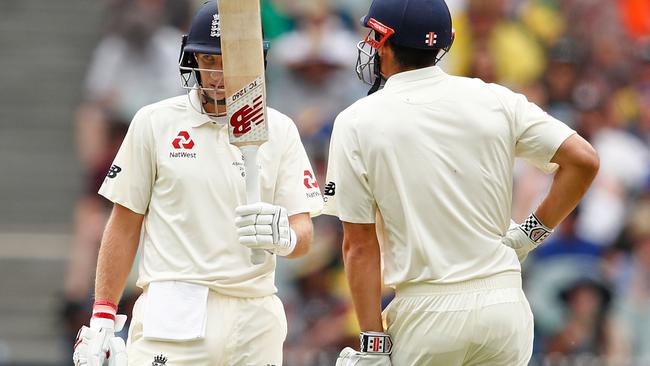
(577, 155)
(588, 162)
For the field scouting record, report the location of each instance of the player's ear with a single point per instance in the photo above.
(381, 51)
(386, 51)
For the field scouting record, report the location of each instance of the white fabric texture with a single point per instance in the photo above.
(429, 159)
(177, 167)
(175, 311)
(239, 331)
(484, 322)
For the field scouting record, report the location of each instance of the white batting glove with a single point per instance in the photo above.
(98, 343)
(265, 226)
(376, 348)
(526, 237)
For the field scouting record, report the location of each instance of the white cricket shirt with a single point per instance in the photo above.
(429, 158)
(178, 169)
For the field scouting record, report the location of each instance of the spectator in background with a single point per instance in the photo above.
(560, 79)
(641, 90)
(133, 65)
(632, 278)
(624, 163)
(587, 332)
(311, 76)
(518, 58)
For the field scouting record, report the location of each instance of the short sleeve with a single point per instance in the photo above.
(130, 178)
(347, 194)
(297, 189)
(537, 134)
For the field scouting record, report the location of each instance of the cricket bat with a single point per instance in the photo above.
(243, 69)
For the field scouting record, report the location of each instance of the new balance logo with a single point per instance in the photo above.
(241, 120)
(112, 171)
(330, 189)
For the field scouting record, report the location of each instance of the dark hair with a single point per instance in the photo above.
(413, 58)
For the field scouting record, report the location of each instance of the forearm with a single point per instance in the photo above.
(578, 167)
(569, 185)
(302, 225)
(116, 254)
(363, 271)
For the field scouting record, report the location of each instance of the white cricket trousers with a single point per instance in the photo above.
(239, 331)
(484, 322)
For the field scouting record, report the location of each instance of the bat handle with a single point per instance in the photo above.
(252, 189)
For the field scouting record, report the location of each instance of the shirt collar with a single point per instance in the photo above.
(198, 119)
(404, 77)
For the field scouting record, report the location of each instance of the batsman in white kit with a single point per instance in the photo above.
(179, 189)
(420, 173)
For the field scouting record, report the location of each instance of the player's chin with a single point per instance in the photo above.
(216, 93)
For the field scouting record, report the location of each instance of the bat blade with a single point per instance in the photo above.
(243, 68)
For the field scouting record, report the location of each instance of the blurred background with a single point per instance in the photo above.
(73, 73)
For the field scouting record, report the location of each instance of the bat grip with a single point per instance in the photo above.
(252, 189)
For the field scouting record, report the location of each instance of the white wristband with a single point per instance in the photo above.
(535, 230)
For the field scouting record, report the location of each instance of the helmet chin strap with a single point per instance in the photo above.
(375, 86)
(208, 99)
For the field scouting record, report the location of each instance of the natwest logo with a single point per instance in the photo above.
(183, 141)
(309, 180)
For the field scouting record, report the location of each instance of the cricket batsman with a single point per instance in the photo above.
(420, 173)
(178, 190)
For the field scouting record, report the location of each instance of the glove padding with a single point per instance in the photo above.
(350, 357)
(94, 346)
(526, 237)
(265, 226)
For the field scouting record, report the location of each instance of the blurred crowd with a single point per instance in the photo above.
(587, 62)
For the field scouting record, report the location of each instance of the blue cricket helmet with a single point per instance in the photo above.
(420, 24)
(204, 36)
(416, 24)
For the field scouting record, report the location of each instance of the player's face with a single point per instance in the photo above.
(211, 67)
(212, 82)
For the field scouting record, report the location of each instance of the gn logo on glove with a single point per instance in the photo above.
(112, 172)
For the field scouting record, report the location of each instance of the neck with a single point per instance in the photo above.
(208, 103)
